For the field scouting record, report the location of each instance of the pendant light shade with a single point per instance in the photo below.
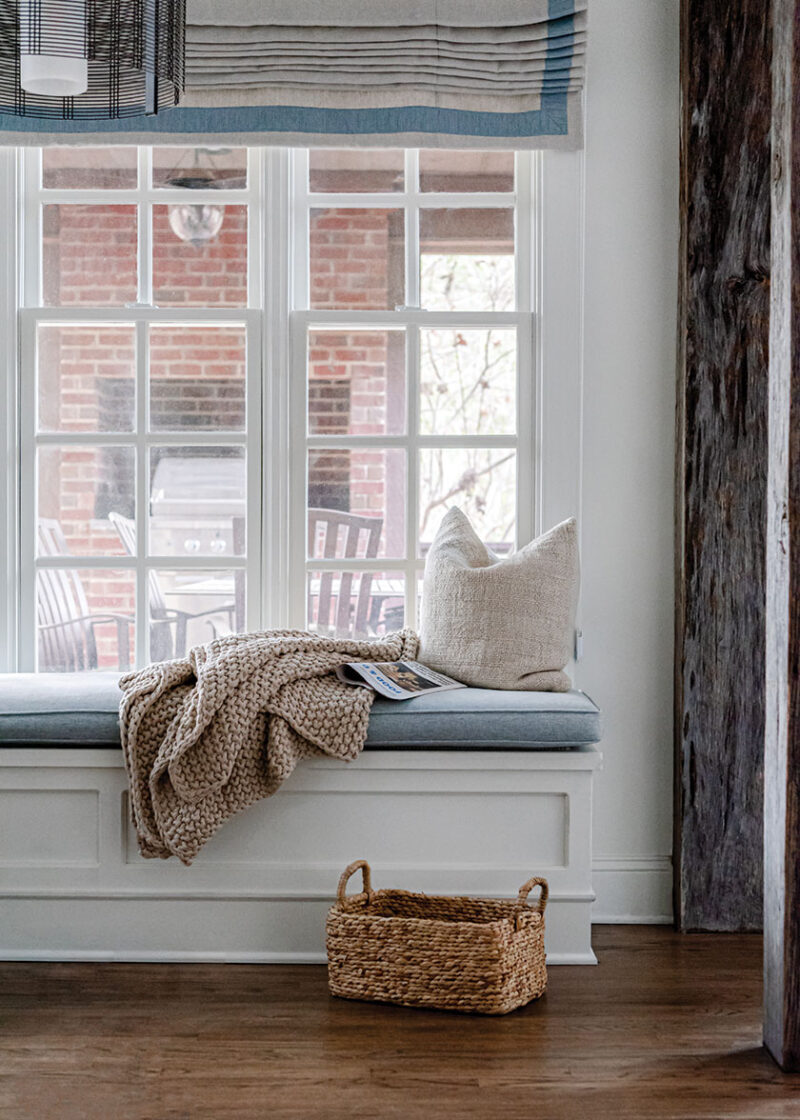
(91, 59)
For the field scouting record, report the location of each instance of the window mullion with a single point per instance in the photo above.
(525, 225)
(281, 570)
(26, 650)
(412, 471)
(391, 320)
(412, 383)
(412, 227)
(10, 262)
(145, 224)
(32, 228)
(255, 391)
(141, 496)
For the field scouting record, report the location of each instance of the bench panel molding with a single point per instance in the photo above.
(477, 823)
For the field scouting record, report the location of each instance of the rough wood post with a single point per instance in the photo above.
(782, 763)
(722, 463)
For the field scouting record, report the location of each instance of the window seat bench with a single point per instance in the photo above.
(470, 791)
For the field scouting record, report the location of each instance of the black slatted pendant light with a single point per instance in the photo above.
(91, 59)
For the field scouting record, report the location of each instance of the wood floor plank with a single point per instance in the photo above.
(667, 1027)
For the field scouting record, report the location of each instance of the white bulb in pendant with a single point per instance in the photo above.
(44, 68)
(53, 76)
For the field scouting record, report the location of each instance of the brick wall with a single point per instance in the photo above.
(213, 274)
(89, 255)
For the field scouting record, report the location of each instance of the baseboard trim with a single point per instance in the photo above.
(632, 919)
(632, 891)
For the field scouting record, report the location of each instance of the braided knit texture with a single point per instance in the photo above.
(207, 735)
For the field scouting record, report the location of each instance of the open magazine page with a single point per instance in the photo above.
(397, 680)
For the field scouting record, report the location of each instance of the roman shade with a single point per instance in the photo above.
(457, 73)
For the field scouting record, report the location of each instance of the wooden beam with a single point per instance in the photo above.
(782, 762)
(722, 463)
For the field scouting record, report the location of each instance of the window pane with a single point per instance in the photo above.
(200, 168)
(482, 482)
(356, 382)
(85, 619)
(357, 259)
(197, 501)
(188, 608)
(81, 493)
(77, 168)
(468, 382)
(467, 260)
(197, 378)
(200, 255)
(85, 378)
(89, 255)
(355, 604)
(443, 170)
(357, 502)
(361, 170)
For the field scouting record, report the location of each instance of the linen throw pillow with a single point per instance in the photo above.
(496, 622)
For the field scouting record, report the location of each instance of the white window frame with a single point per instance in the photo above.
(411, 320)
(549, 286)
(142, 315)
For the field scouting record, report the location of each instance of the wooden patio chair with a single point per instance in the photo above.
(67, 640)
(345, 536)
(164, 642)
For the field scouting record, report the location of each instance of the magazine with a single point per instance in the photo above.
(396, 680)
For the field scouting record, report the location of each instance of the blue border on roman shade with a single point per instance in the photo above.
(550, 120)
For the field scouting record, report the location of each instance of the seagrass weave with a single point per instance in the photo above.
(459, 954)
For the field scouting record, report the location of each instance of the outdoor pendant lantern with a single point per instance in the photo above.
(196, 223)
(91, 59)
(199, 222)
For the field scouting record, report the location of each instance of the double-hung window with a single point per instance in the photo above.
(140, 403)
(253, 381)
(411, 373)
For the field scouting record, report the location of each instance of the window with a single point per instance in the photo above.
(252, 381)
(140, 406)
(411, 378)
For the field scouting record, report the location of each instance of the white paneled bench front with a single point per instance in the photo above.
(463, 792)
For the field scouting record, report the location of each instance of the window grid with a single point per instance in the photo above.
(276, 442)
(411, 319)
(142, 316)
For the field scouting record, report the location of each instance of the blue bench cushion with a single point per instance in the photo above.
(484, 718)
(80, 709)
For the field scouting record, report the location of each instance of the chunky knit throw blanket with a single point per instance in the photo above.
(207, 735)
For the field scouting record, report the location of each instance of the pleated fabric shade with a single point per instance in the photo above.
(125, 58)
(457, 73)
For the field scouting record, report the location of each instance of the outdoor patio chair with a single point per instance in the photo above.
(165, 642)
(344, 536)
(66, 627)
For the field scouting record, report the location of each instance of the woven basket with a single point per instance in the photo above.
(457, 954)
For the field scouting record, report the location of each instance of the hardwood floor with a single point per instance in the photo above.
(667, 1026)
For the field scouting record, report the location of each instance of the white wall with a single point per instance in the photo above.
(631, 259)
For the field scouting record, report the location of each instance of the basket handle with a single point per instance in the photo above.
(363, 866)
(526, 889)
